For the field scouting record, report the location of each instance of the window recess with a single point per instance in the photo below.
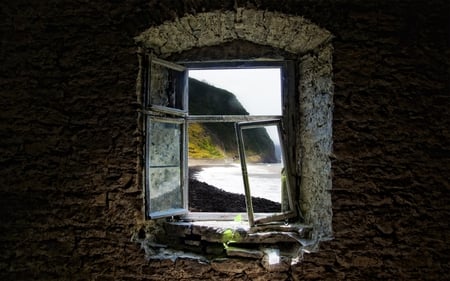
(182, 123)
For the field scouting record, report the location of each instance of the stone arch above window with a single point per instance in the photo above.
(312, 48)
(290, 33)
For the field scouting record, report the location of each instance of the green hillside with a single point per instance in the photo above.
(218, 140)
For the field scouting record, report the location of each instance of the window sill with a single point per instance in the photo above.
(275, 246)
(215, 232)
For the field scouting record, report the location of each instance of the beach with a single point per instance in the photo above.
(264, 179)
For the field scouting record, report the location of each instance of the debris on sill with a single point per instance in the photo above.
(173, 255)
(244, 253)
(275, 245)
(213, 231)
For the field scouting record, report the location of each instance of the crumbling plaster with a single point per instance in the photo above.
(312, 46)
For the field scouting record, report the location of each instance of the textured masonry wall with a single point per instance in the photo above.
(316, 105)
(257, 26)
(70, 199)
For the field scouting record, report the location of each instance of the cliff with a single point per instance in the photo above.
(218, 140)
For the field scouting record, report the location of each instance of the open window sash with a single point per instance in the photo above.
(166, 138)
(167, 87)
(257, 165)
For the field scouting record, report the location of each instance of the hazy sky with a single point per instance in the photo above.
(258, 90)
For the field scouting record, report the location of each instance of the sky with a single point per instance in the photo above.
(258, 90)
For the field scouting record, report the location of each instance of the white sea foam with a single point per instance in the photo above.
(264, 179)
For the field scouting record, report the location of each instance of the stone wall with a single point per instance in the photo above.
(70, 195)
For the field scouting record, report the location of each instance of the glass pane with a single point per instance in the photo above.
(164, 170)
(165, 190)
(165, 142)
(166, 87)
(247, 91)
(264, 167)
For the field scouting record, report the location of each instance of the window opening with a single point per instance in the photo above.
(193, 162)
(218, 98)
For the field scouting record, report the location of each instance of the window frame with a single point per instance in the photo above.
(282, 215)
(287, 94)
(165, 114)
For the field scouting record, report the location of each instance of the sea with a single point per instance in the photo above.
(264, 179)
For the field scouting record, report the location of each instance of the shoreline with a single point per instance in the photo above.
(212, 162)
(197, 165)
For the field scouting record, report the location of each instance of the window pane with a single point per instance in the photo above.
(164, 171)
(165, 143)
(165, 191)
(264, 167)
(166, 86)
(235, 91)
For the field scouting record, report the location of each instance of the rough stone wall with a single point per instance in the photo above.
(391, 172)
(258, 26)
(315, 145)
(69, 197)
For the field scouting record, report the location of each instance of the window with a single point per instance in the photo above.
(247, 133)
(307, 116)
(191, 121)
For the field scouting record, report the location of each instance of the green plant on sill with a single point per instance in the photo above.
(230, 235)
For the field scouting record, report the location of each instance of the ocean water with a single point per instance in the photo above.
(264, 179)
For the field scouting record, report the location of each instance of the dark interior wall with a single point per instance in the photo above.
(391, 173)
(69, 140)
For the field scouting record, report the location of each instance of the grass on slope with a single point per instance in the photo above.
(201, 145)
